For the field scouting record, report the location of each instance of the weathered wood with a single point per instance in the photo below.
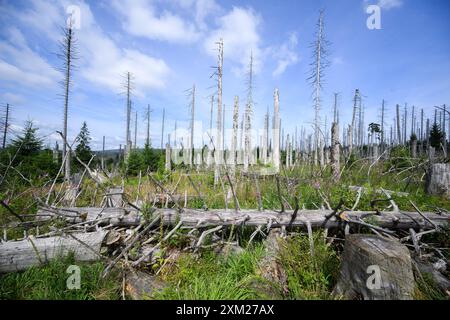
(20, 255)
(375, 268)
(213, 217)
(103, 216)
(438, 181)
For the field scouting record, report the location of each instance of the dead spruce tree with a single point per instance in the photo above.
(235, 130)
(162, 128)
(276, 131)
(147, 115)
(128, 85)
(248, 117)
(218, 153)
(191, 126)
(316, 79)
(68, 55)
(5, 124)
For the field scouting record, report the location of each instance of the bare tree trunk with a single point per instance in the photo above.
(128, 109)
(191, 149)
(135, 130)
(335, 156)
(6, 125)
(399, 133)
(210, 148)
(162, 127)
(103, 153)
(265, 138)
(248, 118)
(276, 132)
(218, 153)
(147, 141)
(68, 55)
(235, 129)
(168, 157)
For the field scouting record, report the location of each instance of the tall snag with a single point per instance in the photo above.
(67, 54)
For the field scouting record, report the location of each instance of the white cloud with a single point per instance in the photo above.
(142, 19)
(385, 4)
(286, 55)
(389, 4)
(239, 31)
(106, 61)
(12, 98)
(102, 60)
(20, 64)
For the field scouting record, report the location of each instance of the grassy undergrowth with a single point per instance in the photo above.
(50, 283)
(238, 276)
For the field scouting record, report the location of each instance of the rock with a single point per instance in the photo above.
(140, 285)
(375, 268)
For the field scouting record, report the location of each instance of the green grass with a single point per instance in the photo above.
(309, 277)
(238, 277)
(49, 283)
(211, 277)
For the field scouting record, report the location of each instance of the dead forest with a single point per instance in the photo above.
(331, 210)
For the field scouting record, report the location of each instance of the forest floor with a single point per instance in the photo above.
(236, 274)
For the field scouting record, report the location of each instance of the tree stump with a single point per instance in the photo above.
(375, 268)
(438, 181)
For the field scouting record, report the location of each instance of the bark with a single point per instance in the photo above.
(20, 255)
(392, 260)
(214, 217)
(276, 132)
(438, 181)
(335, 156)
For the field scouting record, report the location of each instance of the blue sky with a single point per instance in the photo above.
(169, 45)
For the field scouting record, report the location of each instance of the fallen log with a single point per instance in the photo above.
(118, 217)
(22, 254)
(401, 220)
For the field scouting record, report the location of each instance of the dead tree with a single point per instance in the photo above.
(218, 153)
(68, 54)
(382, 125)
(235, 130)
(162, 127)
(6, 125)
(191, 145)
(248, 117)
(335, 156)
(316, 79)
(276, 131)
(399, 133)
(135, 129)
(128, 89)
(351, 130)
(265, 138)
(147, 140)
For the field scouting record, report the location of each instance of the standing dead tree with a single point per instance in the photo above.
(316, 79)
(147, 115)
(190, 147)
(235, 130)
(218, 153)
(128, 86)
(276, 131)
(135, 129)
(162, 127)
(5, 125)
(248, 117)
(67, 54)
